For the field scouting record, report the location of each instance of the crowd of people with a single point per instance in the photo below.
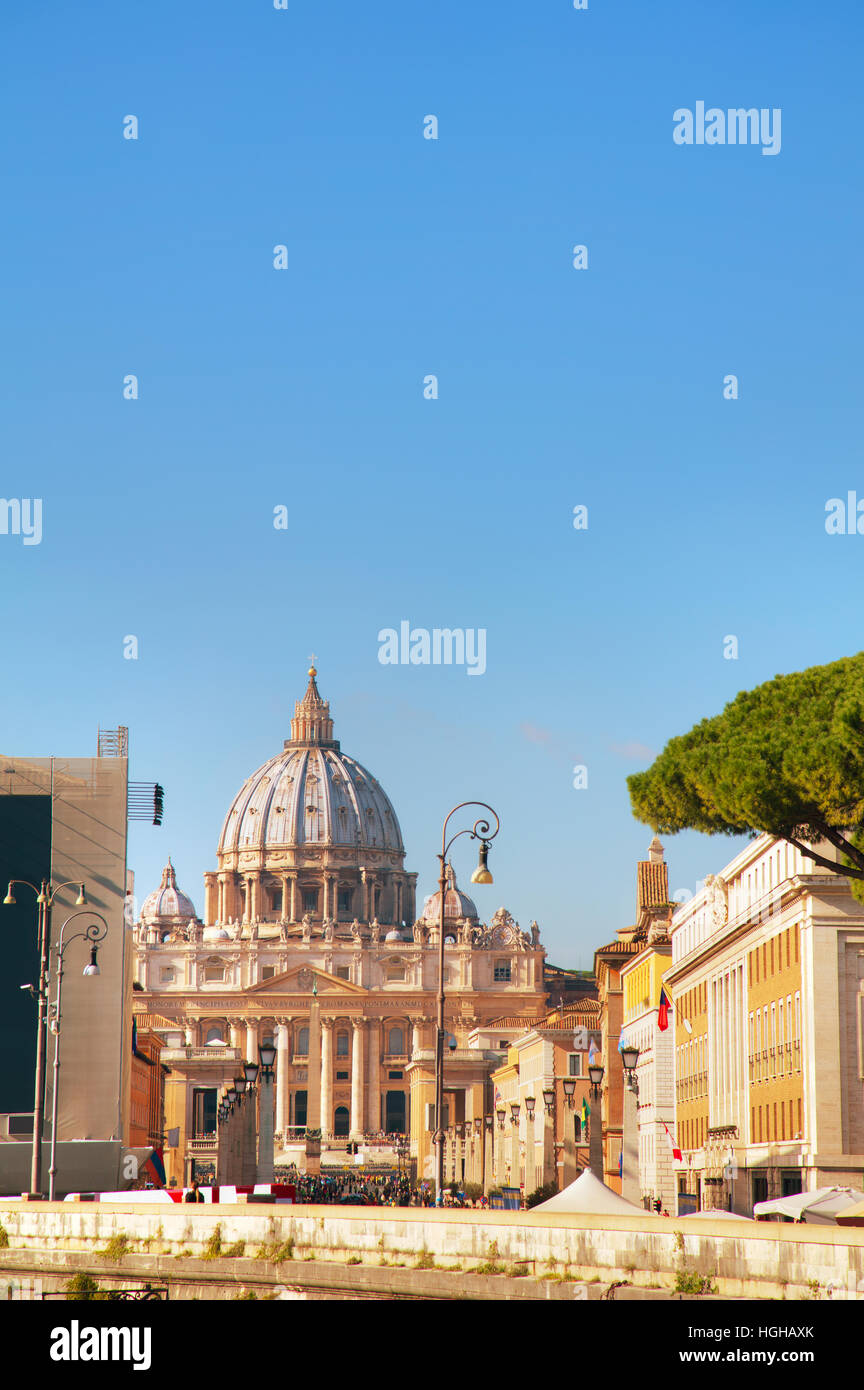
(379, 1190)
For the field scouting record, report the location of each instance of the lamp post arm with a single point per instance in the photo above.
(93, 933)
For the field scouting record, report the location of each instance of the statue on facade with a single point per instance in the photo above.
(375, 930)
(418, 931)
(253, 930)
(355, 931)
(306, 924)
(535, 935)
(328, 928)
(283, 930)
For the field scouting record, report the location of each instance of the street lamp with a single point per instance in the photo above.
(482, 831)
(548, 1099)
(530, 1102)
(45, 896)
(93, 934)
(502, 1114)
(595, 1076)
(569, 1084)
(629, 1058)
(630, 1183)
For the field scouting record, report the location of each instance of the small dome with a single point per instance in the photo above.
(215, 934)
(456, 903)
(394, 935)
(168, 904)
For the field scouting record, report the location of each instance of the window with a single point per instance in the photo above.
(267, 972)
(167, 975)
(395, 1041)
(214, 1035)
(574, 1064)
(341, 1076)
(577, 1128)
(396, 972)
(203, 1112)
(302, 1047)
(214, 973)
(341, 1044)
(345, 899)
(343, 972)
(310, 900)
(502, 1042)
(394, 1075)
(502, 971)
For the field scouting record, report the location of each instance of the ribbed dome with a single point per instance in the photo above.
(456, 903)
(311, 794)
(168, 901)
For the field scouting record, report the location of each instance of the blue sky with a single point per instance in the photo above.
(304, 387)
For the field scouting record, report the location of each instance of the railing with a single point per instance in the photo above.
(142, 1294)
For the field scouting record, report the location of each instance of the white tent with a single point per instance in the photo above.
(820, 1206)
(589, 1197)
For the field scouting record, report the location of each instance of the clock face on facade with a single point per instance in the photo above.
(502, 936)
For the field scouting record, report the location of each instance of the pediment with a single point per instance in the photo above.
(300, 979)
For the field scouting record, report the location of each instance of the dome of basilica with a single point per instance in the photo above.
(311, 794)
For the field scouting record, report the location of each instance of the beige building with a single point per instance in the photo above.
(310, 938)
(767, 981)
(63, 823)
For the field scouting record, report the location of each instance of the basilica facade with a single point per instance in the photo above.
(310, 940)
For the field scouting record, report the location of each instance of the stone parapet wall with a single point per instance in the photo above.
(744, 1261)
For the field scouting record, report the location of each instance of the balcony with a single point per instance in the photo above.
(173, 1055)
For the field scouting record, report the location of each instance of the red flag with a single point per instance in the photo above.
(663, 1011)
(676, 1152)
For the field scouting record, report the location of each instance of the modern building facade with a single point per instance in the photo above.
(310, 939)
(63, 823)
(767, 982)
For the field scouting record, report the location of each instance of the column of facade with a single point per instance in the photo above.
(373, 1109)
(251, 1040)
(416, 1036)
(246, 891)
(282, 1037)
(326, 1076)
(530, 1156)
(313, 1095)
(255, 896)
(234, 1033)
(364, 896)
(357, 1079)
(292, 879)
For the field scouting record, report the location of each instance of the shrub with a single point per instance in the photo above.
(4, 1238)
(213, 1248)
(541, 1194)
(117, 1247)
(694, 1283)
(425, 1260)
(236, 1251)
(81, 1286)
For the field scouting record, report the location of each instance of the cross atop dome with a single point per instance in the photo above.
(311, 722)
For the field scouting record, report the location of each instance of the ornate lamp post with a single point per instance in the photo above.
(595, 1121)
(630, 1184)
(93, 933)
(45, 896)
(481, 830)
